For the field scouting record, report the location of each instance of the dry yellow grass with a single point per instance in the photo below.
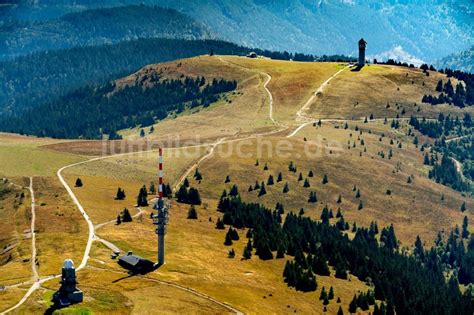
(61, 230)
(247, 112)
(352, 95)
(414, 209)
(292, 83)
(15, 237)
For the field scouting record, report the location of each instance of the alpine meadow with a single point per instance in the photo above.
(246, 157)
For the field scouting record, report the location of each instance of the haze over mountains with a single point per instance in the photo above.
(392, 28)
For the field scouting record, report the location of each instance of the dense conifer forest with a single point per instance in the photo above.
(409, 284)
(461, 95)
(91, 112)
(443, 151)
(96, 27)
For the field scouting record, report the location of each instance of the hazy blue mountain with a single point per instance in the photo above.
(461, 61)
(96, 27)
(410, 29)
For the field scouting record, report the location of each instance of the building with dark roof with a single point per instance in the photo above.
(136, 264)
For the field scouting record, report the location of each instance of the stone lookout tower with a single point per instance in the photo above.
(362, 45)
(68, 293)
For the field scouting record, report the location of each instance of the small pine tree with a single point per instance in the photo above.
(250, 188)
(310, 173)
(286, 188)
(323, 295)
(142, 133)
(197, 175)
(463, 207)
(120, 194)
(265, 168)
(361, 205)
(220, 224)
(280, 177)
(331, 293)
(152, 188)
(300, 177)
(325, 179)
(152, 129)
(409, 180)
(339, 311)
(186, 183)
(231, 253)
(192, 213)
(227, 179)
(306, 183)
(119, 220)
(353, 305)
(357, 194)
(228, 239)
(339, 199)
(79, 182)
(262, 191)
(126, 217)
(270, 180)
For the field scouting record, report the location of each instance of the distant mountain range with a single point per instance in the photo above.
(97, 27)
(461, 61)
(411, 30)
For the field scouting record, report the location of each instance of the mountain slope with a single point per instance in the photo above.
(462, 61)
(99, 26)
(428, 30)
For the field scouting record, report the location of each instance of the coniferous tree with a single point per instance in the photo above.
(300, 177)
(119, 220)
(250, 188)
(262, 191)
(323, 295)
(120, 194)
(340, 312)
(331, 293)
(126, 216)
(142, 133)
(220, 224)
(152, 188)
(197, 175)
(186, 183)
(193, 196)
(265, 168)
(280, 177)
(270, 180)
(465, 229)
(182, 194)
(310, 173)
(247, 251)
(192, 213)
(286, 188)
(227, 179)
(79, 183)
(361, 205)
(463, 207)
(339, 200)
(306, 183)
(353, 305)
(142, 200)
(167, 192)
(231, 253)
(325, 179)
(234, 190)
(228, 239)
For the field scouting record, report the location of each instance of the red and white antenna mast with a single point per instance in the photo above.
(160, 218)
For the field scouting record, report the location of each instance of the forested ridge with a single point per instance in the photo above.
(97, 26)
(409, 284)
(90, 112)
(44, 77)
(444, 170)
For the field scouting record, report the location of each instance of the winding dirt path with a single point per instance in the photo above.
(301, 113)
(34, 267)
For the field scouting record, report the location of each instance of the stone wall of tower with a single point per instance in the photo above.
(361, 55)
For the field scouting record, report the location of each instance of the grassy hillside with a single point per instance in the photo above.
(375, 173)
(44, 77)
